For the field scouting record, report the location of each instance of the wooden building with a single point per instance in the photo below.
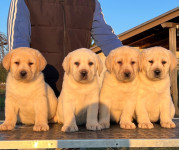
(160, 31)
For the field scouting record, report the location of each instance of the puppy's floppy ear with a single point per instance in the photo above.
(138, 58)
(7, 60)
(99, 64)
(173, 60)
(66, 63)
(41, 60)
(142, 59)
(109, 61)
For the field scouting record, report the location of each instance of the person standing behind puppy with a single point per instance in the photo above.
(56, 28)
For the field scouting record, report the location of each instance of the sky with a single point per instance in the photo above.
(121, 15)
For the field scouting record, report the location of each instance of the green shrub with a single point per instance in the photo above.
(3, 73)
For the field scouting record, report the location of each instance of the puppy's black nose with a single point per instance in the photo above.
(157, 72)
(127, 74)
(23, 73)
(84, 73)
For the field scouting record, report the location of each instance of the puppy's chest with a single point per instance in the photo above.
(154, 96)
(154, 92)
(24, 102)
(121, 93)
(117, 87)
(24, 97)
(81, 103)
(21, 89)
(21, 94)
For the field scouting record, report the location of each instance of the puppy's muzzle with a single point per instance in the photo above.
(84, 74)
(157, 73)
(23, 74)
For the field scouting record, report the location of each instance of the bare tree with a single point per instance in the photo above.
(3, 46)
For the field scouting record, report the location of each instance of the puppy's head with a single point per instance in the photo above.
(156, 62)
(83, 65)
(24, 63)
(124, 63)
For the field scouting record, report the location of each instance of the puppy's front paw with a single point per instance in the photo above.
(94, 127)
(104, 125)
(71, 128)
(127, 125)
(6, 127)
(41, 127)
(146, 125)
(169, 124)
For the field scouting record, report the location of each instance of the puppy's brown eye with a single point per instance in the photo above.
(151, 61)
(119, 62)
(164, 62)
(17, 63)
(77, 63)
(90, 63)
(133, 62)
(30, 64)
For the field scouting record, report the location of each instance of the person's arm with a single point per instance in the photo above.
(102, 33)
(18, 25)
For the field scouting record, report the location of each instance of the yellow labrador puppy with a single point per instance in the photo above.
(119, 89)
(27, 95)
(154, 102)
(79, 98)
